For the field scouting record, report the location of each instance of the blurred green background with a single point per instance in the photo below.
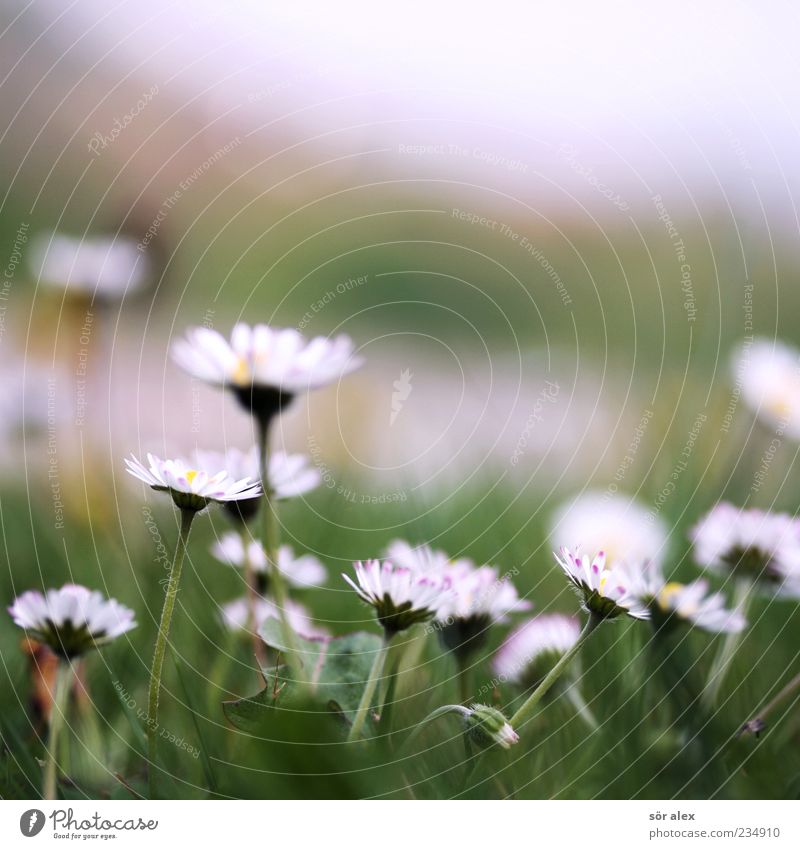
(282, 168)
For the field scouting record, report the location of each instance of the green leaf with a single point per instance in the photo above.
(248, 714)
(347, 665)
(334, 672)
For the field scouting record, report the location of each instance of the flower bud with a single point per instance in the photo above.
(486, 726)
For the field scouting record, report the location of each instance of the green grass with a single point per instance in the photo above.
(652, 742)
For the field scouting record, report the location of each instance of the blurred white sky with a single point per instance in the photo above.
(678, 74)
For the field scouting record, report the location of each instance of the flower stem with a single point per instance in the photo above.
(758, 723)
(161, 644)
(527, 709)
(252, 598)
(57, 715)
(464, 682)
(724, 658)
(270, 541)
(369, 691)
(575, 698)
(440, 711)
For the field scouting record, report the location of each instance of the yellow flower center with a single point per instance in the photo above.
(668, 592)
(191, 475)
(241, 373)
(779, 407)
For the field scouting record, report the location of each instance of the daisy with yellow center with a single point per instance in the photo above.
(191, 490)
(768, 373)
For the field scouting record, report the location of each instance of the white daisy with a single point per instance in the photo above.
(72, 619)
(533, 648)
(479, 593)
(264, 365)
(754, 544)
(606, 592)
(235, 615)
(93, 265)
(191, 489)
(302, 571)
(289, 474)
(768, 372)
(420, 558)
(401, 597)
(694, 604)
(623, 528)
(481, 596)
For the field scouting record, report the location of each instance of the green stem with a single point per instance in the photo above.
(252, 598)
(57, 715)
(527, 709)
(724, 658)
(464, 682)
(270, 541)
(575, 698)
(757, 724)
(161, 644)
(369, 691)
(440, 711)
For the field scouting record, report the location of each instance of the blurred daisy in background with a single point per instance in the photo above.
(768, 374)
(531, 650)
(300, 571)
(96, 266)
(235, 615)
(421, 558)
(692, 603)
(71, 620)
(621, 527)
(481, 597)
(289, 474)
(756, 546)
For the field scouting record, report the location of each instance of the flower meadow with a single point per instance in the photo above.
(217, 649)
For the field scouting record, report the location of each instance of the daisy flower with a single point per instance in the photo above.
(420, 558)
(288, 475)
(606, 591)
(302, 571)
(621, 527)
(481, 597)
(400, 596)
(693, 603)
(752, 544)
(768, 374)
(94, 265)
(191, 489)
(532, 649)
(235, 615)
(264, 366)
(71, 620)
